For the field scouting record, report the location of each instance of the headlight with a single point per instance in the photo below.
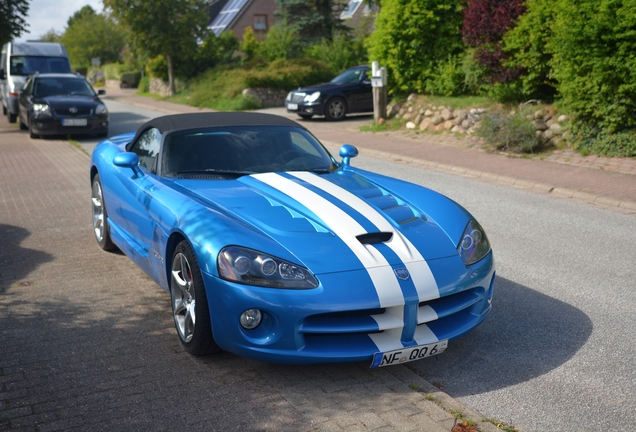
(251, 267)
(101, 109)
(41, 110)
(474, 244)
(312, 97)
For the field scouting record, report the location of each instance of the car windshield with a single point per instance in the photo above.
(351, 76)
(26, 65)
(62, 87)
(243, 150)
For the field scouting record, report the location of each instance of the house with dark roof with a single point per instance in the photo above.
(237, 15)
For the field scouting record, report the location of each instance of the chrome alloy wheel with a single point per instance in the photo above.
(99, 214)
(183, 297)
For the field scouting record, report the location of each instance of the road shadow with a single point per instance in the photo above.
(17, 262)
(526, 335)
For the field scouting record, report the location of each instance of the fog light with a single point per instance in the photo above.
(251, 318)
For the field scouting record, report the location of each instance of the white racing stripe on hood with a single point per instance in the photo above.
(418, 268)
(346, 228)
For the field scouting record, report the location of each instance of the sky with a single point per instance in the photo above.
(45, 15)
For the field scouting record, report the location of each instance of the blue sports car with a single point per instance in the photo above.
(272, 249)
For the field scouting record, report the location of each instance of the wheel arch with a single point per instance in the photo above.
(174, 239)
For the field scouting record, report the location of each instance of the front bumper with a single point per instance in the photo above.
(54, 126)
(338, 321)
(306, 108)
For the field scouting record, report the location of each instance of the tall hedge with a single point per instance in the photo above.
(593, 48)
(526, 46)
(412, 37)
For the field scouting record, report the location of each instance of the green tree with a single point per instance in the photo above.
(50, 36)
(164, 27)
(91, 35)
(12, 19)
(412, 37)
(313, 20)
(80, 15)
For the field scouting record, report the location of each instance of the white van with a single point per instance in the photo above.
(20, 59)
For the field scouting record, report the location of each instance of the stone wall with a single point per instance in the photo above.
(161, 87)
(269, 98)
(424, 116)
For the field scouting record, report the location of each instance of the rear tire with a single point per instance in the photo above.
(11, 117)
(190, 303)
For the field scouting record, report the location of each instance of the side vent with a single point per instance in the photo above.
(378, 237)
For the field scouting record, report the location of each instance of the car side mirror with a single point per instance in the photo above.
(127, 160)
(101, 92)
(347, 151)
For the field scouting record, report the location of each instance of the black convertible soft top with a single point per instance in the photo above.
(213, 119)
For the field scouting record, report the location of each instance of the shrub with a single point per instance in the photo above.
(282, 43)
(250, 44)
(485, 23)
(130, 79)
(591, 139)
(593, 60)
(112, 71)
(410, 38)
(144, 84)
(340, 53)
(448, 78)
(508, 132)
(526, 45)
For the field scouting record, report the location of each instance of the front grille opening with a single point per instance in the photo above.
(371, 238)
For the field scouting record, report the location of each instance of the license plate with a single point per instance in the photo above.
(74, 122)
(409, 354)
(292, 107)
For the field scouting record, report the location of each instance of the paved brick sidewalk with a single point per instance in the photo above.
(87, 341)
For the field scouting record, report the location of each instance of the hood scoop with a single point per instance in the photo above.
(376, 237)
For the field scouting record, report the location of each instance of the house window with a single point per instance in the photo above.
(260, 22)
(351, 9)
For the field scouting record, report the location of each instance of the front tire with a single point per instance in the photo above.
(100, 217)
(32, 134)
(189, 303)
(336, 109)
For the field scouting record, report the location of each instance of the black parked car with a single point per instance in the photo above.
(349, 92)
(61, 104)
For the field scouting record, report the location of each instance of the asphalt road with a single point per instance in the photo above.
(557, 352)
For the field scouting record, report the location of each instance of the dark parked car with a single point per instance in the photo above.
(349, 92)
(61, 104)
